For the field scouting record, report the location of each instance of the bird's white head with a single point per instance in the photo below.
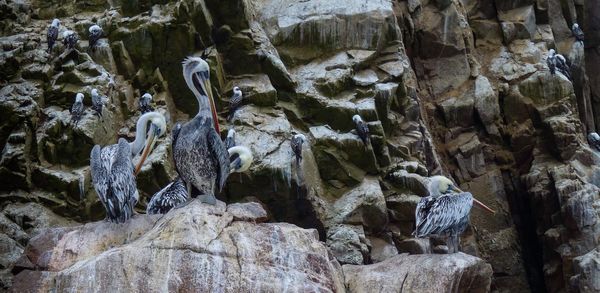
(231, 133)
(95, 29)
(356, 118)
(158, 127)
(94, 92)
(594, 136)
(147, 96)
(236, 90)
(575, 26)
(55, 23)
(79, 97)
(300, 136)
(441, 185)
(245, 156)
(67, 33)
(551, 52)
(196, 73)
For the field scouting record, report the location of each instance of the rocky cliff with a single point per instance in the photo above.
(459, 88)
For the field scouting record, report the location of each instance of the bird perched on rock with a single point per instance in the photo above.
(77, 109)
(240, 159)
(362, 129)
(577, 32)
(445, 212)
(97, 102)
(296, 144)
(95, 33)
(70, 39)
(234, 102)
(144, 103)
(558, 62)
(52, 34)
(594, 140)
(170, 196)
(230, 139)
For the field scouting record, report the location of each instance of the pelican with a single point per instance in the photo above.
(240, 159)
(296, 144)
(70, 39)
(594, 140)
(234, 102)
(144, 103)
(577, 32)
(230, 139)
(362, 129)
(95, 33)
(558, 62)
(77, 109)
(200, 156)
(170, 196)
(112, 169)
(97, 102)
(445, 211)
(52, 34)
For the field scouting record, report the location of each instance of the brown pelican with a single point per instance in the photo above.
(70, 39)
(95, 35)
(170, 196)
(113, 172)
(97, 102)
(594, 140)
(200, 156)
(77, 109)
(144, 103)
(52, 34)
(230, 139)
(558, 62)
(240, 158)
(445, 211)
(362, 129)
(296, 144)
(234, 102)
(577, 32)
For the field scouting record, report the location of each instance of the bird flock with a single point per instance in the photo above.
(203, 161)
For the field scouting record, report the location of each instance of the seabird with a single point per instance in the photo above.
(70, 39)
(112, 170)
(445, 212)
(230, 139)
(170, 196)
(362, 129)
(234, 102)
(296, 143)
(97, 102)
(95, 34)
(557, 62)
(52, 34)
(77, 109)
(594, 140)
(577, 32)
(144, 103)
(240, 159)
(200, 156)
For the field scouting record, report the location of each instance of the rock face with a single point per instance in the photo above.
(457, 88)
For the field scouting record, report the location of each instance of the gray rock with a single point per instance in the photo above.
(415, 246)
(348, 244)
(518, 23)
(366, 77)
(363, 205)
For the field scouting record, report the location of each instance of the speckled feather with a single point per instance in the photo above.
(51, 37)
(170, 196)
(443, 215)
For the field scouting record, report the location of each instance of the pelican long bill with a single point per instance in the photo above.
(147, 149)
(206, 89)
(480, 204)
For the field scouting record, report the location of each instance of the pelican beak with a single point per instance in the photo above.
(478, 203)
(203, 80)
(148, 147)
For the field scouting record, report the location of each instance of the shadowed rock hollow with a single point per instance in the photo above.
(459, 88)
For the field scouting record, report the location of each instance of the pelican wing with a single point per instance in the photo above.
(220, 157)
(99, 170)
(122, 183)
(172, 195)
(436, 215)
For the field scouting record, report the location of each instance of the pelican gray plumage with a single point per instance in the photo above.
(296, 144)
(144, 103)
(577, 33)
(594, 140)
(362, 129)
(95, 33)
(445, 212)
(200, 156)
(70, 39)
(234, 102)
(112, 170)
(558, 62)
(52, 34)
(97, 102)
(77, 109)
(170, 196)
(240, 159)
(230, 139)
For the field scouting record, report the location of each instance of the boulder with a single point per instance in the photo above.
(518, 23)
(363, 205)
(348, 244)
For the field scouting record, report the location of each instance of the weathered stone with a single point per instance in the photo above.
(248, 212)
(458, 111)
(365, 78)
(363, 205)
(518, 23)
(415, 246)
(348, 244)
(257, 89)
